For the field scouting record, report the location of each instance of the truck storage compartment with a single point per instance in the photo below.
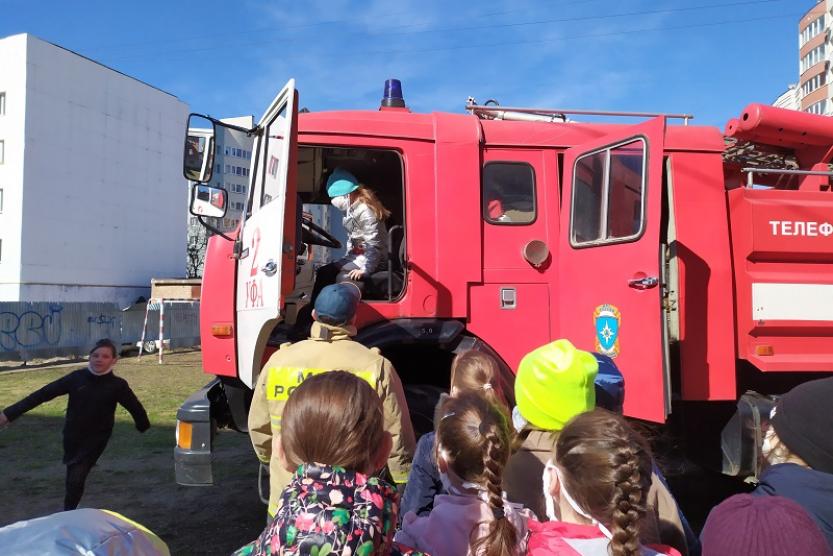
(783, 258)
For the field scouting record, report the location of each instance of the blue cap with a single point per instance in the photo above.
(341, 182)
(337, 303)
(610, 384)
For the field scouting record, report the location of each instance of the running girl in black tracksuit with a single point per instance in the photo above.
(93, 395)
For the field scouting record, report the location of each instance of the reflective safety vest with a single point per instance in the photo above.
(329, 348)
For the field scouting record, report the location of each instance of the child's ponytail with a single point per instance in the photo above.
(478, 371)
(475, 438)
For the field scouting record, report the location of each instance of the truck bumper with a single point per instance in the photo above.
(743, 435)
(195, 428)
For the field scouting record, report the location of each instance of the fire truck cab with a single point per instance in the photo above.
(699, 261)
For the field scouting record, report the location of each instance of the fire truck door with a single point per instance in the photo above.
(609, 298)
(510, 309)
(266, 268)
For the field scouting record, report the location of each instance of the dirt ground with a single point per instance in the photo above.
(135, 476)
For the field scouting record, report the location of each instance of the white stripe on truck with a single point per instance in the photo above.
(792, 301)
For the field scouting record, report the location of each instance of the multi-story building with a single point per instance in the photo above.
(231, 169)
(91, 187)
(790, 99)
(232, 163)
(815, 54)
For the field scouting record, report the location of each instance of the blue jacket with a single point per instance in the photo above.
(423, 482)
(811, 489)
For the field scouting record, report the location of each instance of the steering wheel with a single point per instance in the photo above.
(313, 234)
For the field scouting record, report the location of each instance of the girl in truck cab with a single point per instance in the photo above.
(333, 440)
(364, 221)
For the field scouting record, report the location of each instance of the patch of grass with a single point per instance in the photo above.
(135, 475)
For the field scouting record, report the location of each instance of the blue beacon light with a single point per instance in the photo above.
(393, 94)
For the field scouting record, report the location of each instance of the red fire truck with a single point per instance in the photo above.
(699, 260)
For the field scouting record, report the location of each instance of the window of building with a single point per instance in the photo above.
(819, 107)
(813, 84)
(219, 168)
(228, 168)
(508, 193)
(608, 192)
(812, 30)
(812, 58)
(240, 152)
(2, 104)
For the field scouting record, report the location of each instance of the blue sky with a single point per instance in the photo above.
(225, 58)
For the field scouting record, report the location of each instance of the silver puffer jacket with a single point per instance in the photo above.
(368, 238)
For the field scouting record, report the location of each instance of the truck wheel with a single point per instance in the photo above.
(149, 346)
(422, 401)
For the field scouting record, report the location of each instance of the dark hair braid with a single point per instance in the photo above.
(628, 503)
(607, 469)
(502, 539)
(478, 437)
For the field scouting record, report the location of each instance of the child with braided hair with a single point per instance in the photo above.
(554, 383)
(598, 481)
(473, 442)
(471, 371)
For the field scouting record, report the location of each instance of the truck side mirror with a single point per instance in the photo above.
(198, 159)
(208, 201)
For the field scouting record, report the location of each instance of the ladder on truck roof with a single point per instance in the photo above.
(495, 111)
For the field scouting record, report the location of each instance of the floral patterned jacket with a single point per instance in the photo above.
(332, 511)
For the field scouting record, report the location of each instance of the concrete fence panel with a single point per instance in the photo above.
(53, 329)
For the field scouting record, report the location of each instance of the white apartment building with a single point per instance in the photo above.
(232, 163)
(815, 55)
(91, 187)
(790, 99)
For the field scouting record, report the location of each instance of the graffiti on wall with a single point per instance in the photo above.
(31, 328)
(41, 330)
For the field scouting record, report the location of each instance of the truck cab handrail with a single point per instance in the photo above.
(479, 110)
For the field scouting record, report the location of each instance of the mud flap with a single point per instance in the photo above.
(743, 435)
